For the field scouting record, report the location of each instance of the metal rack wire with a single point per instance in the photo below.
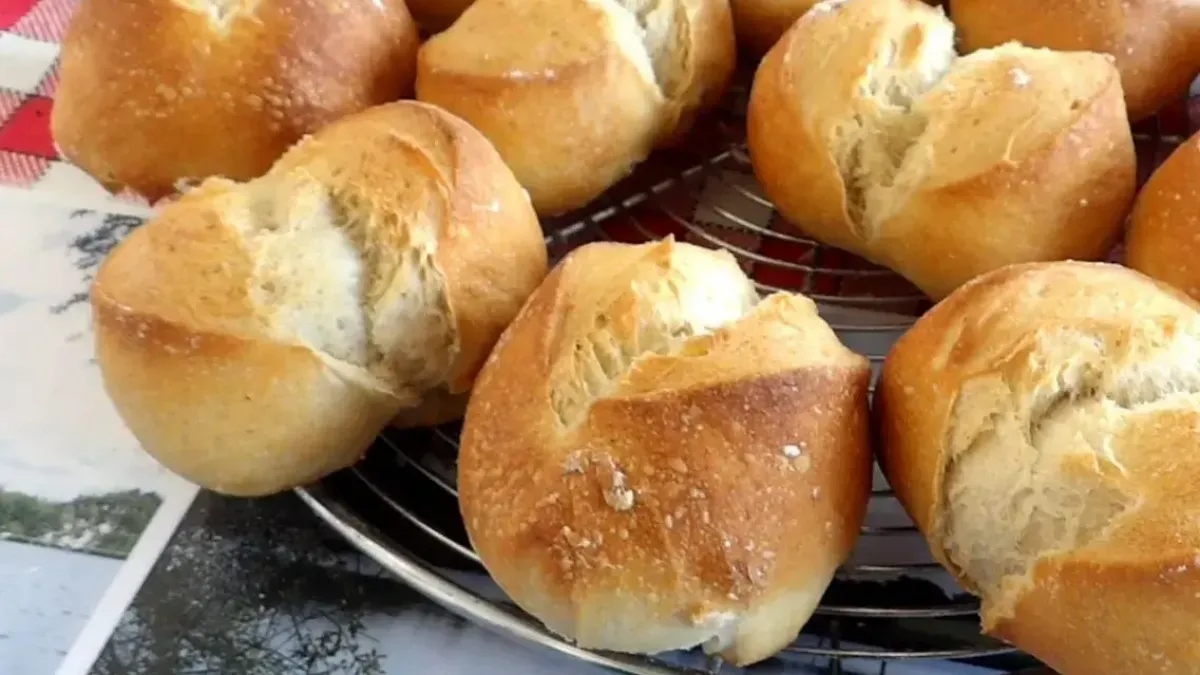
(890, 606)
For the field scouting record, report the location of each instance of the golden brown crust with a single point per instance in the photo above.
(973, 331)
(1065, 198)
(154, 93)
(709, 491)
(256, 336)
(1099, 361)
(176, 344)
(712, 62)
(529, 75)
(490, 248)
(1163, 239)
(921, 172)
(1154, 41)
(240, 417)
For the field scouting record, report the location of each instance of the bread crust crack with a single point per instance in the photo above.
(875, 141)
(659, 308)
(1055, 464)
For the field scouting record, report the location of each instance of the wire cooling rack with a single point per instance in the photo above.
(891, 609)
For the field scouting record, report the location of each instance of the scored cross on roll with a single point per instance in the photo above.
(654, 458)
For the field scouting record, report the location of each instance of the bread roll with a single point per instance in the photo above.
(1163, 239)
(654, 459)
(1156, 43)
(158, 92)
(760, 23)
(872, 135)
(574, 93)
(1042, 427)
(257, 336)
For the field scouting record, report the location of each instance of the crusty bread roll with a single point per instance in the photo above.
(435, 15)
(155, 93)
(574, 93)
(1163, 239)
(1042, 427)
(257, 336)
(653, 458)
(1156, 43)
(870, 134)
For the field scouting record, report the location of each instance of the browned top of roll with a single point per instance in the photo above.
(436, 15)
(158, 91)
(1156, 43)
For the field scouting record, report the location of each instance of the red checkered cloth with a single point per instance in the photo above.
(30, 33)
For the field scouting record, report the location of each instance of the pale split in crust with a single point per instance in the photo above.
(1163, 238)
(437, 15)
(1155, 43)
(871, 134)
